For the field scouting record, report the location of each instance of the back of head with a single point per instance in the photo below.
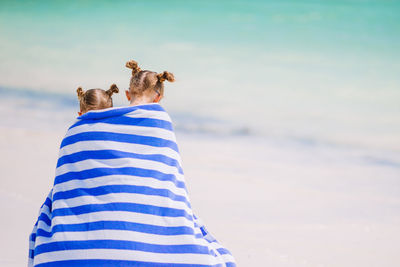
(94, 99)
(147, 82)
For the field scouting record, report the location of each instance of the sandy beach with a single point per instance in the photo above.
(270, 203)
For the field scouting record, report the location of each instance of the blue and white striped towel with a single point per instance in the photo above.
(119, 198)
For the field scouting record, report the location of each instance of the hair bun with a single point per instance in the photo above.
(113, 89)
(80, 93)
(165, 76)
(131, 64)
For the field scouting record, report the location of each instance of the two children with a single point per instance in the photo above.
(145, 87)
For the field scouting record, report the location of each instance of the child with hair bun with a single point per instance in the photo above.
(94, 99)
(146, 86)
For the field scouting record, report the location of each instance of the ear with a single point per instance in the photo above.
(157, 98)
(80, 113)
(128, 95)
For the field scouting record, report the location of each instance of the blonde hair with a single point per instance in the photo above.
(94, 99)
(145, 81)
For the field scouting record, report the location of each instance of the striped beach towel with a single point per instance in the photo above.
(119, 198)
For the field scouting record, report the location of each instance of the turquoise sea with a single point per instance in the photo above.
(314, 71)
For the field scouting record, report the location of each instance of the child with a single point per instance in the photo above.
(146, 86)
(94, 99)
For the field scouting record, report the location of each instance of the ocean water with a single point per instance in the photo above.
(320, 72)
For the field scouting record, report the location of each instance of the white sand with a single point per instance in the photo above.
(270, 204)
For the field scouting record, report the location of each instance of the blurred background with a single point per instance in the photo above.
(287, 115)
